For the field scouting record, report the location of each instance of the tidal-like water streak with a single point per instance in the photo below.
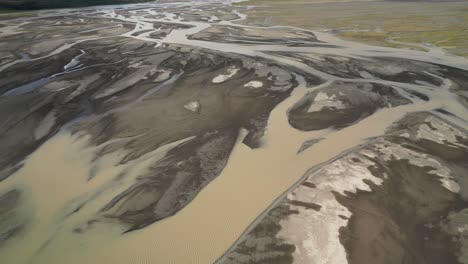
(212, 222)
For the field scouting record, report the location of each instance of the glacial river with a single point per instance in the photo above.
(252, 180)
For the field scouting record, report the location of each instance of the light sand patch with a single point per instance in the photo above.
(323, 100)
(224, 77)
(193, 106)
(254, 84)
(316, 233)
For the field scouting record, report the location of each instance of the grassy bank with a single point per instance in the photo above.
(444, 24)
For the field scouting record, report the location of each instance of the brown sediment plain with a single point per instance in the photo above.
(8, 204)
(280, 36)
(158, 132)
(391, 69)
(341, 105)
(129, 99)
(409, 211)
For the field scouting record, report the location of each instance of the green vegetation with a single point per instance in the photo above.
(46, 4)
(8, 14)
